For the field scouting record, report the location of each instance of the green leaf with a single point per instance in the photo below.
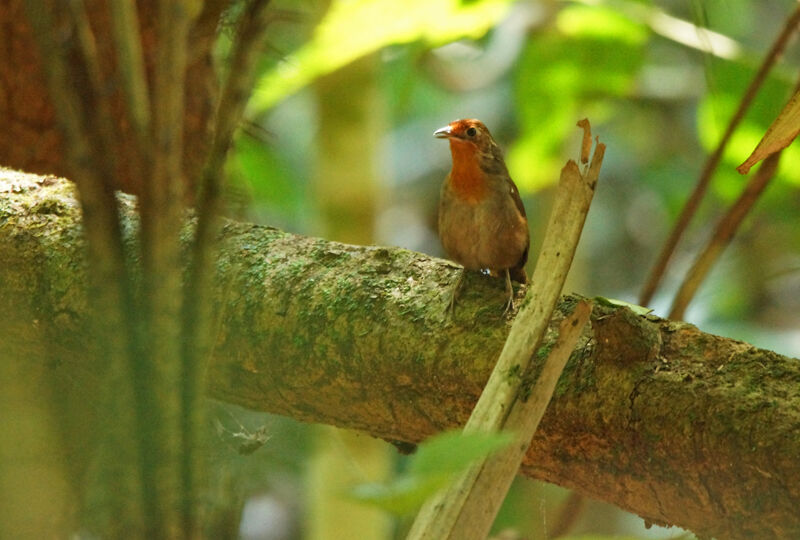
(265, 174)
(403, 496)
(600, 23)
(453, 451)
(639, 310)
(433, 466)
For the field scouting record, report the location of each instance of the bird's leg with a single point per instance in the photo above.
(510, 292)
(451, 306)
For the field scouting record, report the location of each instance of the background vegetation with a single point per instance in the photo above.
(337, 142)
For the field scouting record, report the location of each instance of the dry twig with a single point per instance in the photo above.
(686, 215)
(723, 233)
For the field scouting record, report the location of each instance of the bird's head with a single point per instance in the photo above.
(472, 146)
(468, 132)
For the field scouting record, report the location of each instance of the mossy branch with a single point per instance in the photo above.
(655, 416)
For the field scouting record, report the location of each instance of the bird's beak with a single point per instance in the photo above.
(443, 133)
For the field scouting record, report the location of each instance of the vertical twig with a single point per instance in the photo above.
(466, 510)
(723, 233)
(151, 433)
(131, 66)
(686, 215)
(87, 140)
(100, 126)
(249, 42)
(97, 199)
(130, 63)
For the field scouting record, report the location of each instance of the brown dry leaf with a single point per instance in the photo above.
(782, 132)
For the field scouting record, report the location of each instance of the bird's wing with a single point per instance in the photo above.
(512, 188)
(518, 272)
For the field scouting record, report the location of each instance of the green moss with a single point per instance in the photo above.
(674, 326)
(544, 350)
(568, 304)
(525, 390)
(651, 436)
(579, 373)
(488, 312)
(294, 268)
(300, 341)
(5, 212)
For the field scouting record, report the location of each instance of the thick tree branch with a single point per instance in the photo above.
(679, 426)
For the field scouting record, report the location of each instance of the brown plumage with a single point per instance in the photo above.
(482, 222)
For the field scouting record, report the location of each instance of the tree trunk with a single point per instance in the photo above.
(30, 139)
(657, 417)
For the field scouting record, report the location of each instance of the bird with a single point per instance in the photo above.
(482, 221)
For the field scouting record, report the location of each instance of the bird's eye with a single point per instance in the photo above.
(471, 132)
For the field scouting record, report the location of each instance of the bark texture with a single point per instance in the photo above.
(676, 425)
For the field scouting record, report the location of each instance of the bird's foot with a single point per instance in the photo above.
(451, 305)
(510, 292)
(509, 305)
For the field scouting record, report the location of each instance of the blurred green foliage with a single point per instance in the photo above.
(589, 57)
(281, 192)
(432, 467)
(354, 28)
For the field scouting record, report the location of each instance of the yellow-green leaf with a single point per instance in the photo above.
(354, 28)
(782, 132)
